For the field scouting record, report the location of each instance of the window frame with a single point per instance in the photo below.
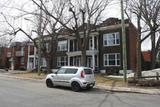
(106, 58)
(106, 39)
(60, 61)
(71, 69)
(61, 44)
(61, 69)
(22, 60)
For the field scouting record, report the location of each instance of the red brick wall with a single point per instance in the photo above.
(132, 46)
(25, 56)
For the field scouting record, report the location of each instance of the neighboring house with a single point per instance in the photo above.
(104, 50)
(19, 55)
(146, 62)
(146, 56)
(3, 57)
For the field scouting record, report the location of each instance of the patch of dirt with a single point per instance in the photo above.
(31, 75)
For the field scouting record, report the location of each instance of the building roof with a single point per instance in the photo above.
(111, 21)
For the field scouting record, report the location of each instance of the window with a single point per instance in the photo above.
(22, 60)
(88, 71)
(62, 46)
(111, 39)
(47, 47)
(71, 71)
(61, 71)
(77, 61)
(62, 61)
(44, 62)
(112, 59)
(22, 51)
(90, 44)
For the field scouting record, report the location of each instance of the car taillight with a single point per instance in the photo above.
(82, 74)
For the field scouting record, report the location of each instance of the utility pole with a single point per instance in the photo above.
(124, 43)
(39, 39)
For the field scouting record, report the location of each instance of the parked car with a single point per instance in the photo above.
(75, 77)
(96, 70)
(43, 69)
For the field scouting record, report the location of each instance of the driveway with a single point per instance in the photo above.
(22, 93)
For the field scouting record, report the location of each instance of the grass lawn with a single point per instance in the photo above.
(100, 79)
(109, 81)
(31, 75)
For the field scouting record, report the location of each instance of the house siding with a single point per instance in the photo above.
(132, 46)
(109, 49)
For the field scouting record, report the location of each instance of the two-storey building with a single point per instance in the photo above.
(104, 50)
(18, 55)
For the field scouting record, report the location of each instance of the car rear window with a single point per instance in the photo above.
(88, 71)
(71, 71)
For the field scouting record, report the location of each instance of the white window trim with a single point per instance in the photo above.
(22, 51)
(59, 61)
(60, 43)
(90, 43)
(77, 61)
(22, 60)
(47, 47)
(108, 60)
(117, 44)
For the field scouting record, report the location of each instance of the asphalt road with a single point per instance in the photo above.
(23, 93)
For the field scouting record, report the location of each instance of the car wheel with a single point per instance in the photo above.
(75, 86)
(49, 83)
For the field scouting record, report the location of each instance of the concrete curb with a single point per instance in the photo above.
(108, 88)
(130, 90)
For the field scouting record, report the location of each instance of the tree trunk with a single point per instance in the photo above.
(138, 71)
(83, 58)
(49, 60)
(153, 52)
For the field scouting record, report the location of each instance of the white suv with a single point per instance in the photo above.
(75, 77)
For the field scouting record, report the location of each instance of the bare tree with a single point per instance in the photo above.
(84, 15)
(135, 6)
(148, 11)
(51, 28)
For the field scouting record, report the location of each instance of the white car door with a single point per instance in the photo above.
(69, 74)
(59, 77)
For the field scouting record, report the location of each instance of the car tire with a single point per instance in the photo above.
(49, 83)
(75, 86)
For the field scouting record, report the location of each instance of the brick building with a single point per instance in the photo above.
(104, 50)
(18, 54)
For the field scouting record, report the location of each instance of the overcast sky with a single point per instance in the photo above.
(112, 11)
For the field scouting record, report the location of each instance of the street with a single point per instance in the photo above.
(23, 93)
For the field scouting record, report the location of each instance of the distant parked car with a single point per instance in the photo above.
(75, 77)
(96, 70)
(43, 69)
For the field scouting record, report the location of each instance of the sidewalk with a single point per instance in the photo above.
(130, 90)
(99, 86)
